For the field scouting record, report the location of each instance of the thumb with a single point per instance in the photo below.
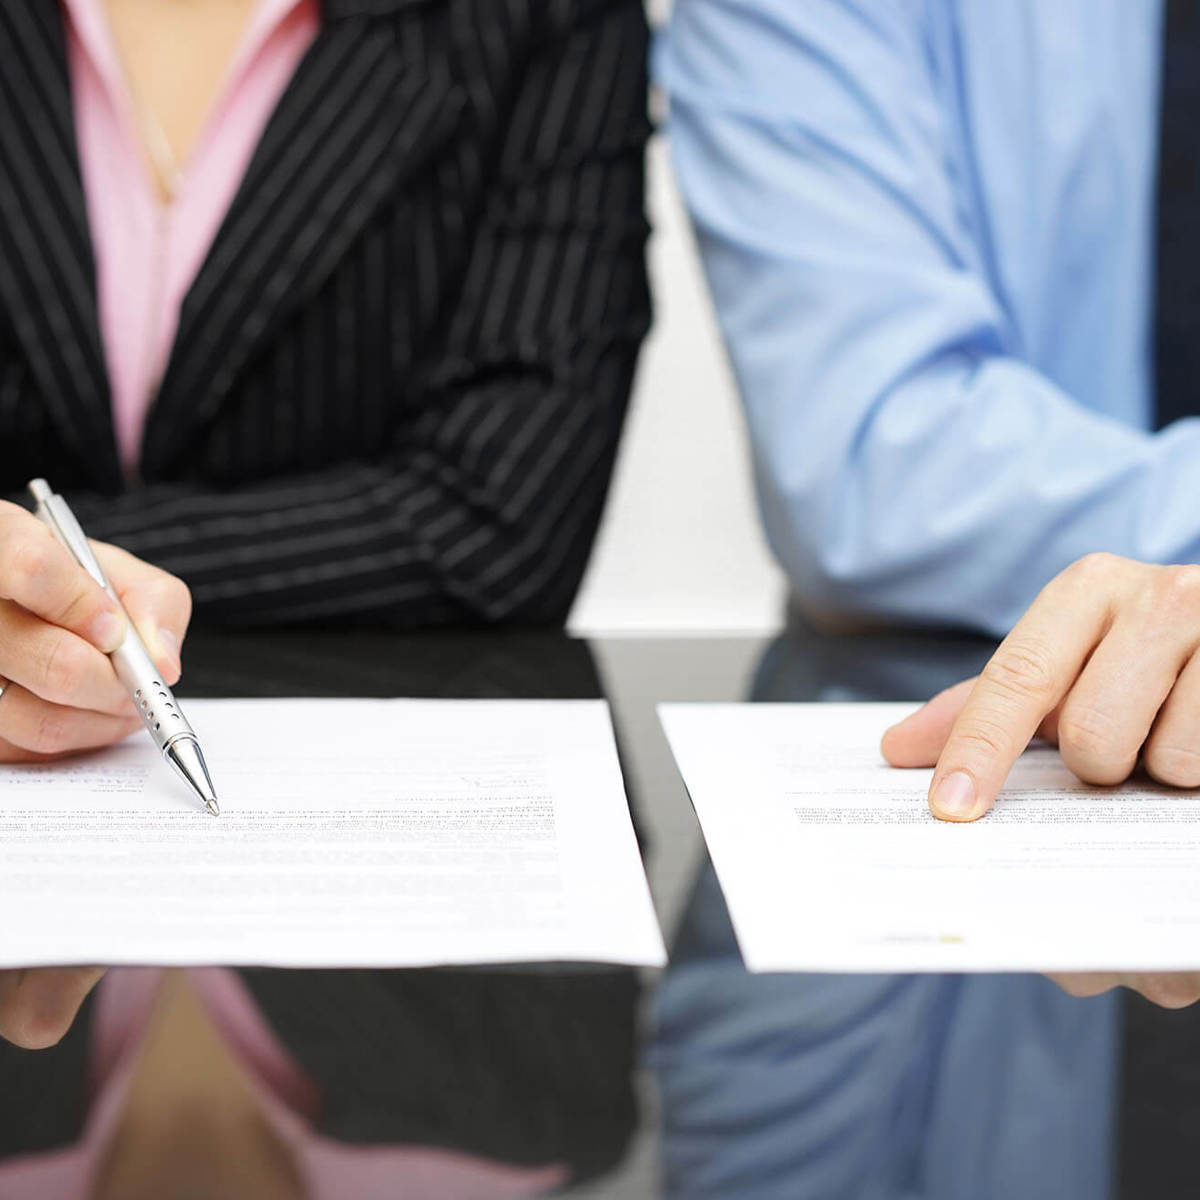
(158, 603)
(919, 739)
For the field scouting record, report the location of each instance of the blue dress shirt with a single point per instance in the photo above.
(928, 226)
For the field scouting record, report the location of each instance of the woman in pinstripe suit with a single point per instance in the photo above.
(398, 373)
(329, 308)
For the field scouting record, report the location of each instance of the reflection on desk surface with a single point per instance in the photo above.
(214, 1082)
(778, 1086)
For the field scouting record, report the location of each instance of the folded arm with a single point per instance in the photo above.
(484, 504)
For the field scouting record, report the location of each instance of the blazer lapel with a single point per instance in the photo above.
(47, 270)
(362, 109)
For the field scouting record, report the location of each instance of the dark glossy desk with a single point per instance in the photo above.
(535, 1065)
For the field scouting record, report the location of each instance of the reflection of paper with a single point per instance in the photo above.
(830, 861)
(352, 833)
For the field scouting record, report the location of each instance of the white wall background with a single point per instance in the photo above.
(680, 546)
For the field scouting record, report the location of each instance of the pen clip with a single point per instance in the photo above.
(53, 511)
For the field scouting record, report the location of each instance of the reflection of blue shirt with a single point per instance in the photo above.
(874, 1087)
(929, 230)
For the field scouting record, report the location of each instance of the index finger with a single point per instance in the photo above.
(44, 579)
(1031, 671)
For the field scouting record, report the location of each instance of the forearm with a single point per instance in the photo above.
(418, 539)
(327, 546)
(965, 491)
(303, 549)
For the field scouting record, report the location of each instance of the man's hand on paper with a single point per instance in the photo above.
(56, 626)
(1104, 664)
(37, 1006)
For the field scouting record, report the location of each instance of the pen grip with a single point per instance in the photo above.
(155, 701)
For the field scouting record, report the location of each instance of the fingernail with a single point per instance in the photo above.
(954, 797)
(108, 631)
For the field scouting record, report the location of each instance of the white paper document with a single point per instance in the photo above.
(352, 833)
(831, 861)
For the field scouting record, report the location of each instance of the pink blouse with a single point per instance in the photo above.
(147, 252)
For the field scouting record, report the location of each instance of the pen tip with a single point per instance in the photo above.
(212, 807)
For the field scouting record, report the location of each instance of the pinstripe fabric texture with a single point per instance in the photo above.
(400, 375)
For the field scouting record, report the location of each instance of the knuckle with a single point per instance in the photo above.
(1176, 766)
(1021, 671)
(1084, 984)
(1094, 734)
(1095, 568)
(51, 732)
(27, 561)
(1179, 588)
(982, 738)
(64, 668)
(161, 593)
(1072, 986)
(32, 1027)
(78, 606)
(1170, 990)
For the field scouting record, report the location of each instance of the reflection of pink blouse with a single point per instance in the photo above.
(330, 1170)
(148, 253)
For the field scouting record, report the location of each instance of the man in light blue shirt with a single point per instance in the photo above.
(929, 229)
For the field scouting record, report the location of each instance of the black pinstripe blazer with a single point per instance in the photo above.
(400, 375)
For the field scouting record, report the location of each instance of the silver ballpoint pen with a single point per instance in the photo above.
(158, 707)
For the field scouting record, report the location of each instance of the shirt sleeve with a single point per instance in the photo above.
(910, 465)
(486, 506)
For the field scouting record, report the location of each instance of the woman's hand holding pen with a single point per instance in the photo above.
(56, 627)
(62, 696)
(1104, 664)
